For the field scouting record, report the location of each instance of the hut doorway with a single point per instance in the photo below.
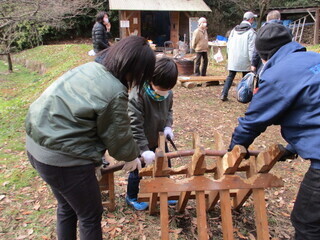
(155, 26)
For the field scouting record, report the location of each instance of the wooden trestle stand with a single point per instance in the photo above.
(208, 184)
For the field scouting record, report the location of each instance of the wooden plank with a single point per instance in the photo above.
(153, 203)
(148, 171)
(164, 216)
(160, 165)
(267, 159)
(203, 78)
(203, 183)
(226, 217)
(183, 200)
(196, 167)
(219, 145)
(262, 164)
(230, 161)
(261, 217)
(201, 216)
(226, 165)
(107, 184)
(198, 164)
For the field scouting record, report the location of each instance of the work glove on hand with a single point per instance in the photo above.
(132, 165)
(148, 157)
(168, 132)
(288, 155)
(98, 173)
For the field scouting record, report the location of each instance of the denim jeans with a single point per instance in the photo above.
(77, 192)
(305, 215)
(204, 56)
(229, 82)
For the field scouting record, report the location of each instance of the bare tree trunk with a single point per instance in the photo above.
(9, 63)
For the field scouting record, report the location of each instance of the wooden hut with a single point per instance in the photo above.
(157, 20)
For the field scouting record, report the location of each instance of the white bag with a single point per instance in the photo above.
(218, 56)
(91, 53)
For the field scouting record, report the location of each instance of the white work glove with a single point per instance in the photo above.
(132, 165)
(98, 173)
(168, 132)
(148, 157)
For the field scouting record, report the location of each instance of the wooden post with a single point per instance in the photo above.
(316, 27)
(226, 217)
(201, 215)
(259, 203)
(107, 184)
(164, 216)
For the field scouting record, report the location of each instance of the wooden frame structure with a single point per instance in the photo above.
(106, 185)
(209, 184)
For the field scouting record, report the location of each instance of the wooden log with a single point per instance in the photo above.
(188, 85)
(203, 78)
(118, 166)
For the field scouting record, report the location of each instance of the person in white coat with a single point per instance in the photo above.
(240, 49)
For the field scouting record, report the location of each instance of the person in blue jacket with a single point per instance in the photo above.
(289, 96)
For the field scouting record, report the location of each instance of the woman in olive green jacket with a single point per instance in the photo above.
(79, 117)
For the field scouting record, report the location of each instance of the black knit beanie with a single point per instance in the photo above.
(270, 38)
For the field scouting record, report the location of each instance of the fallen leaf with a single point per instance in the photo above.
(36, 206)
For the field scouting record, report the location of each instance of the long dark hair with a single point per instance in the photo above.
(131, 60)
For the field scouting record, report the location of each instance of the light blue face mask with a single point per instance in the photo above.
(151, 93)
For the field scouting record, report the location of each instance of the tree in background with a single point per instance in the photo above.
(30, 19)
(227, 13)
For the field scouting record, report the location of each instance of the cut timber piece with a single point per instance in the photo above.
(231, 161)
(261, 217)
(164, 216)
(160, 167)
(107, 184)
(153, 203)
(198, 164)
(267, 159)
(214, 195)
(203, 78)
(183, 200)
(226, 217)
(188, 85)
(148, 171)
(201, 216)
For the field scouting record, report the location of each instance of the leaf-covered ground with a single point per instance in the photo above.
(27, 208)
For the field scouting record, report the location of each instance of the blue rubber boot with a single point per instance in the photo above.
(172, 202)
(139, 206)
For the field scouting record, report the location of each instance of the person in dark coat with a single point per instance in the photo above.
(101, 32)
(150, 111)
(289, 96)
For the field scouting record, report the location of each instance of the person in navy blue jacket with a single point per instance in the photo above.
(289, 96)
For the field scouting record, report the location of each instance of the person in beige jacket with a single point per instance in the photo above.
(200, 45)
